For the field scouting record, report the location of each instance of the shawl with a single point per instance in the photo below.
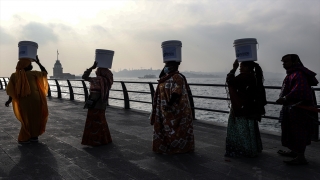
(104, 80)
(22, 87)
(246, 95)
(42, 84)
(161, 80)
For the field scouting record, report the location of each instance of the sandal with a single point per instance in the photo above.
(297, 162)
(287, 153)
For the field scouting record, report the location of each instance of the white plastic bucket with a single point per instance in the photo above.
(246, 49)
(104, 58)
(171, 50)
(27, 49)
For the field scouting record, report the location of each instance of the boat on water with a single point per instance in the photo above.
(148, 76)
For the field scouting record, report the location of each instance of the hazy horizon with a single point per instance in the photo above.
(136, 29)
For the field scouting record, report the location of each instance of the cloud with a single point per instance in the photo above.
(5, 37)
(38, 32)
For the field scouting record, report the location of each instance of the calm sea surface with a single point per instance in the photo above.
(267, 124)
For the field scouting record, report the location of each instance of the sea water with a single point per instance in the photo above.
(266, 124)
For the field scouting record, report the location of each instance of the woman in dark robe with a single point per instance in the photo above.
(247, 95)
(298, 111)
(96, 131)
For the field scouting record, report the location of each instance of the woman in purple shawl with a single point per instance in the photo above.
(296, 122)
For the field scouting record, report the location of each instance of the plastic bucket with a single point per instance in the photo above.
(171, 50)
(246, 49)
(104, 58)
(27, 49)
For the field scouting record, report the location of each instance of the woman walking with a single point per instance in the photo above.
(96, 131)
(171, 114)
(247, 95)
(27, 91)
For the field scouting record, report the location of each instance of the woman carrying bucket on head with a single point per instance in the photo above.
(171, 114)
(27, 91)
(96, 130)
(248, 98)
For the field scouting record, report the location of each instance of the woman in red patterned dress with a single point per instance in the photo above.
(96, 131)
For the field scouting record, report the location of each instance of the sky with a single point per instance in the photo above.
(136, 29)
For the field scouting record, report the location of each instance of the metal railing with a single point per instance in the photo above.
(126, 99)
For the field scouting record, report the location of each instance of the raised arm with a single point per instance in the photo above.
(87, 73)
(43, 69)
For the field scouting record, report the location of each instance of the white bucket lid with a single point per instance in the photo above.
(104, 51)
(171, 43)
(245, 41)
(28, 43)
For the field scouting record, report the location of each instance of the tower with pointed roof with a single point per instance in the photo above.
(57, 68)
(58, 71)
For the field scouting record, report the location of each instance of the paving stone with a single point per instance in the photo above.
(60, 155)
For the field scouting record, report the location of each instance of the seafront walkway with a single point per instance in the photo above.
(60, 155)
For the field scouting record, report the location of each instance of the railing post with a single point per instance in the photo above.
(49, 90)
(125, 96)
(5, 82)
(58, 88)
(70, 90)
(316, 126)
(191, 103)
(85, 89)
(1, 84)
(151, 91)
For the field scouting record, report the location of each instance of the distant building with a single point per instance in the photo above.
(58, 72)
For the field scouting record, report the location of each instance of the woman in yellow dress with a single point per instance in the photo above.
(27, 91)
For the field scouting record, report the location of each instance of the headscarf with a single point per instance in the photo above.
(311, 76)
(22, 87)
(105, 77)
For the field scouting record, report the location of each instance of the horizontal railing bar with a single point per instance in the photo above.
(214, 110)
(78, 94)
(66, 79)
(140, 101)
(271, 102)
(210, 97)
(270, 117)
(116, 90)
(143, 92)
(115, 98)
(136, 82)
(197, 84)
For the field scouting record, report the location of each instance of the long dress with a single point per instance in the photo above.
(96, 131)
(32, 110)
(296, 123)
(173, 129)
(243, 136)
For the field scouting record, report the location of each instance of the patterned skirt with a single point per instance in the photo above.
(243, 137)
(96, 130)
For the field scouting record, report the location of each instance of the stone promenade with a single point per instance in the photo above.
(59, 154)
